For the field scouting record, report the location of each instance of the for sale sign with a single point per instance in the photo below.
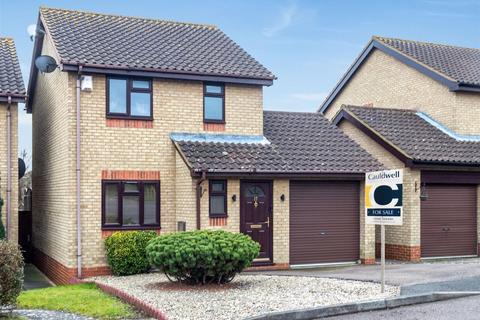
(384, 197)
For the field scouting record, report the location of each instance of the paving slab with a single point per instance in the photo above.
(34, 279)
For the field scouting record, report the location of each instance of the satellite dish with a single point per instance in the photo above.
(46, 64)
(21, 168)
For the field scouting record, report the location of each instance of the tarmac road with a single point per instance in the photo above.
(462, 309)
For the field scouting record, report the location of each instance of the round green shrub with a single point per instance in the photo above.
(11, 273)
(201, 257)
(126, 252)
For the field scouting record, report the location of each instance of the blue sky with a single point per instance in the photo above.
(307, 44)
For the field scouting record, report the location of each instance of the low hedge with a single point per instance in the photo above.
(11, 273)
(201, 257)
(126, 252)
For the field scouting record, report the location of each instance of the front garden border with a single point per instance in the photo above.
(137, 303)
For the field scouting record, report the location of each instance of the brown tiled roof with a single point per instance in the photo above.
(145, 44)
(300, 143)
(419, 139)
(457, 63)
(11, 81)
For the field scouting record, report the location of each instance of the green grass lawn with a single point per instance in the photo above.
(85, 299)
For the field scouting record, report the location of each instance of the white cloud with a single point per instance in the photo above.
(309, 96)
(285, 19)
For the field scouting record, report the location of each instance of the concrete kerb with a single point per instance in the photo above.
(371, 305)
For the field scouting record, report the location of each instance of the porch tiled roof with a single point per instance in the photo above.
(419, 139)
(300, 143)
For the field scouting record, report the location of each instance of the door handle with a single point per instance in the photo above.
(267, 222)
(446, 228)
(323, 233)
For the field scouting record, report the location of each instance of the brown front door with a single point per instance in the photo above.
(256, 215)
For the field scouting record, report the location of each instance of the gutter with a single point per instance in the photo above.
(164, 74)
(199, 195)
(9, 169)
(78, 216)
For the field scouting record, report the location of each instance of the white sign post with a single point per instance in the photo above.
(384, 204)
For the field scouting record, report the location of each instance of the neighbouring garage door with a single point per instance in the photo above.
(324, 222)
(449, 220)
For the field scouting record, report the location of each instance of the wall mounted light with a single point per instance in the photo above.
(234, 198)
(282, 197)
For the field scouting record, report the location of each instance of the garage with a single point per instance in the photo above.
(449, 220)
(324, 222)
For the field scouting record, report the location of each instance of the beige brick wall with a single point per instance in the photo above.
(389, 83)
(53, 176)
(409, 232)
(177, 107)
(367, 231)
(185, 197)
(280, 221)
(233, 207)
(13, 227)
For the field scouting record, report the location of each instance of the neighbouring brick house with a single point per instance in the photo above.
(171, 136)
(416, 106)
(12, 92)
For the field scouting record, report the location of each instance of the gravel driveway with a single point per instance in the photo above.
(247, 295)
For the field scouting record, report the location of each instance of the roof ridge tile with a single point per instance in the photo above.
(45, 8)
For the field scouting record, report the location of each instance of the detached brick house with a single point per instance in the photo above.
(159, 125)
(12, 92)
(416, 105)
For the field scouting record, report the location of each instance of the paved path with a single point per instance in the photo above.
(464, 309)
(402, 274)
(34, 279)
(49, 315)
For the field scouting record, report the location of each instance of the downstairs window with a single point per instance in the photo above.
(218, 198)
(130, 204)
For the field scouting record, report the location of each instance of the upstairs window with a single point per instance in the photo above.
(218, 198)
(214, 103)
(130, 204)
(129, 98)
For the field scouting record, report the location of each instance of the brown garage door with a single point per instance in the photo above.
(449, 220)
(324, 222)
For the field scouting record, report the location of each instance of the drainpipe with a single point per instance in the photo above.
(9, 169)
(79, 225)
(199, 195)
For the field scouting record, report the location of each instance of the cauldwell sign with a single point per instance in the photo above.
(384, 197)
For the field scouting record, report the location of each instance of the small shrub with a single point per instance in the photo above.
(11, 273)
(201, 257)
(126, 252)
